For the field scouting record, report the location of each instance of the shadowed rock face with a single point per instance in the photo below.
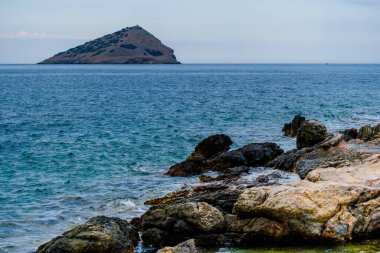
(212, 154)
(99, 235)
(132, 45)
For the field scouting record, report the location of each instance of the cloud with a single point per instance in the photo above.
(36, 35)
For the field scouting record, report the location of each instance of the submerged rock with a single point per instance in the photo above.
(99, 235)
(291, 129)
(310, 133)
(184, 247)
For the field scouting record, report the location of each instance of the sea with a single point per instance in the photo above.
(78, 141)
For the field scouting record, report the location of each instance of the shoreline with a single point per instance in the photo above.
(223, 210)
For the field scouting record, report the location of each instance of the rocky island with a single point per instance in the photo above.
(326, 190)
(131, 45)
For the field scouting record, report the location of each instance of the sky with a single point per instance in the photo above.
(200, 31)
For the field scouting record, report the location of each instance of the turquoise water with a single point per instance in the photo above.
(83, 140)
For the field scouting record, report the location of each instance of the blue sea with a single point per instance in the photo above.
(83, 140)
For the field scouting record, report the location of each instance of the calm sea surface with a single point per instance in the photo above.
(79, 141)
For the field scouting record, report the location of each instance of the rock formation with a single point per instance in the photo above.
(131, 45)
(99, 235)
(327, 190)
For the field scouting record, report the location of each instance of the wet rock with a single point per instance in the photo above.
(171, 224)
(323, 211)
(311, 133)
(186, 168)
(212, 146)
(254, 154)
(184, 247)
(376, 131)
(365, 133)
(207, 148)
(99, 235)
(291, 129)
(288, 160)
(350, 134)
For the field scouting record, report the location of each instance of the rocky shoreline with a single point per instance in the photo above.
(326, 190)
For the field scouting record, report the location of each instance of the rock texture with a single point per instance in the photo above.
(326, 190)
(99, 235)
(132, 45)
(311, 132)
(212, 154)
(330, 192)
(184, 247)
(291, 129)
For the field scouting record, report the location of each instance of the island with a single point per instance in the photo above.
(131, 45)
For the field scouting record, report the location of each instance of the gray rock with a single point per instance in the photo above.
(311, 133)
(366, 133)
(184, 247)
(99, 235)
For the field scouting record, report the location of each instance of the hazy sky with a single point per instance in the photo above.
(200, 31)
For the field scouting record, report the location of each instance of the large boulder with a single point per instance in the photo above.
(99, 235)
(311, 133)
(291, 129)
(184, 247)
(207, 148)
(366, 133)
(212, 146)
(171, 224)
(376, 131)
(329, 211)
(254, 154)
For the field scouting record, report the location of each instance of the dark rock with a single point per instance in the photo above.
(186, 168)
(207, 148)
(291, 129)
(287, 161)
(365, 133)
(213, 145)
(171, 224)
(99, 235)
(254, 154)
(311, 133)
(136, 222)
(376, 131)
(350, 134)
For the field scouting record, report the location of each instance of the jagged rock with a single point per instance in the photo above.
(184, 247)
(365, 133)
(254, 154)
(376, 131)
(350, 134)
(170, 224)
(311, 133)
(207, 148)
(212, 146)
(291, 129)
(99, 235)
(288, 160)
(323, 211)
(131, 45)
